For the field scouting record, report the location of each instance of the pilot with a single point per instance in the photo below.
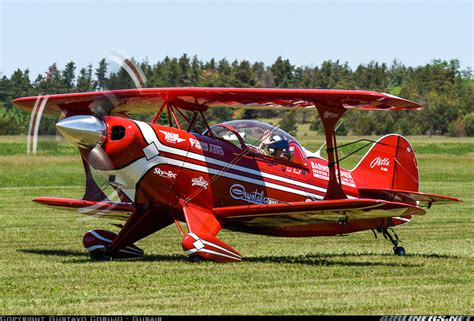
(276, 146)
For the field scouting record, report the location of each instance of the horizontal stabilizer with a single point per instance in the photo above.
(319, 212)
(110, 210)
(396, 195)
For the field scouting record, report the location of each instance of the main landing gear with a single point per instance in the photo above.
(98, 243)
(397, 250)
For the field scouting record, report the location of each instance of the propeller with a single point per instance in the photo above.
(88, 133)
(85, 131)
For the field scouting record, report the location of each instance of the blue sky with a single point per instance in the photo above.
(35, 34)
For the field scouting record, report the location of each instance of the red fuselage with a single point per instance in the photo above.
(161, 165)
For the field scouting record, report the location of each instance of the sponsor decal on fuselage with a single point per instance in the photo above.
(322, 171)
(165, 174)
(238, 192)
(215, 149)
(199, 181)
(172, 138)
(383, 163)
(294, 170)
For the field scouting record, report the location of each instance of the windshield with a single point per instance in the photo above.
(261, 138)
(253, 132)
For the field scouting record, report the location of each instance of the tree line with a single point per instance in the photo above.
(442, 87)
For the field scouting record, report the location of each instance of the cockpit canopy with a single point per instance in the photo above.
(261, 138)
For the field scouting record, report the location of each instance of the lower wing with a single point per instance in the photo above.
(110, 210)
(326, 211)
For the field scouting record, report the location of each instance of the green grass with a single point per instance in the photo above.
(45, 270)
(49, 145)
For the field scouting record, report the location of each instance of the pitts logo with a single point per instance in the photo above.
(172, 138)
(165, 174)
(238, 192)
(379, 161)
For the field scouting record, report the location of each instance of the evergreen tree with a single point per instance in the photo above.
(101, 74)
(243, 75)
(54, 83)
(282, 72)
(195, 72)
(224, 72)
(5, 89)
(69, 76)
(84, 80)
(185, 71)
(175, 74)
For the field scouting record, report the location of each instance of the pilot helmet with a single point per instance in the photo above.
(276, 138)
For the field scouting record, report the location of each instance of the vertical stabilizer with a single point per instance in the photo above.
(389, 164)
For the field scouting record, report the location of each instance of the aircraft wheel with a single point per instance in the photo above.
(99, 256)
(195, 259)
(400, 251)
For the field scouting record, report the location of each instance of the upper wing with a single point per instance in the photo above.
(111, 210)
(116, 102)
(318, 212)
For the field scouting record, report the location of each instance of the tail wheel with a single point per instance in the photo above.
(98, 242)
(399, 250)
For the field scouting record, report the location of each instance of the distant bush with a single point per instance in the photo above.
(469, 124)
(456, 128)
(463, 126)
(13, 121)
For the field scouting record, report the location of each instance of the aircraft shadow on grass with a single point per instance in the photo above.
(309, 259)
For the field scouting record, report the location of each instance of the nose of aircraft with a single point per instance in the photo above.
(84, 131)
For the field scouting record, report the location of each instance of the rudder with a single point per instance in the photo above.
(389, 164)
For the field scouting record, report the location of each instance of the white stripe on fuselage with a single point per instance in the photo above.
(136, 170)
(131, 174)
(150, 137)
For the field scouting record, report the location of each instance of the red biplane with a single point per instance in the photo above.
(240, 175)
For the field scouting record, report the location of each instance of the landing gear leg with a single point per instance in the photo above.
(398, 250)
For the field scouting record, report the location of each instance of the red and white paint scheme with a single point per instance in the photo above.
(240, 175)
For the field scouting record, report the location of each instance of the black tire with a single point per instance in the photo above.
(99, 256)
(195, 259)
(400, 251)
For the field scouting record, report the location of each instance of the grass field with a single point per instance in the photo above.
(45, 270)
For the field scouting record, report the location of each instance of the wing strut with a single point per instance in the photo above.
(330, 117)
